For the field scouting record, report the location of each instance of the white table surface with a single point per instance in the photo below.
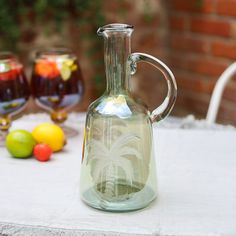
(197, 189)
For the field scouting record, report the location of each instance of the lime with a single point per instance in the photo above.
(49, 134)
(20, 143)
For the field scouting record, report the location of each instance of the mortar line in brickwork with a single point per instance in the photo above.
(214, 6)
(200, 35)
(199, 74)
(228, 104)
(196, 95)
(221, 19)
(218, 60)
(200, 56)
(195, 87)
(202, 97)
(198, 38)
(217, 18)
(203, 35)
(193, 104)
(193, 76)
(232, 84)
(202, 81)
(201, 15)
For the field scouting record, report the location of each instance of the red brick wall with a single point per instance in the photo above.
(202, 43)
(196, 38)
(150, 33)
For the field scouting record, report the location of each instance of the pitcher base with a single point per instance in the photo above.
(136, 201)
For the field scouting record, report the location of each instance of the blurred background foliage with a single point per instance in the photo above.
(22, 21)
(19, 18)
(27, 25)
(163, 28)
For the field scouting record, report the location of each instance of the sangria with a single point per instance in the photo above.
(57, 84)
(14, 90)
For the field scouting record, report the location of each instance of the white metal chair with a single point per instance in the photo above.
(218, 91)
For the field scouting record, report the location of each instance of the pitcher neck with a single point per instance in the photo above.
(117, 48)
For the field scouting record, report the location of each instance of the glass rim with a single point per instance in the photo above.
(6, 56)
(115, 27)
(55, 52)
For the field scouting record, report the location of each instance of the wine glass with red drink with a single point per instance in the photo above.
(57, 84)
(14, 91)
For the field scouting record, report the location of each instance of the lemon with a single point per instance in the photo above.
(20, 143)
(68, 62)
(74, 67)
(65, 72)
(49, 134)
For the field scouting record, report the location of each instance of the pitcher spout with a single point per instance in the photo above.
(115, 27)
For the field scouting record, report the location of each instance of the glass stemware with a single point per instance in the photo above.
(14, 91)
(57, 84)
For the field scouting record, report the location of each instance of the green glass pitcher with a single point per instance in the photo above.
(118, 170)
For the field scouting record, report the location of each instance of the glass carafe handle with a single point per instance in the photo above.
(164, 109)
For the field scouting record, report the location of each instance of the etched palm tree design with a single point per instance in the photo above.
(106, 162)
(116, 129)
